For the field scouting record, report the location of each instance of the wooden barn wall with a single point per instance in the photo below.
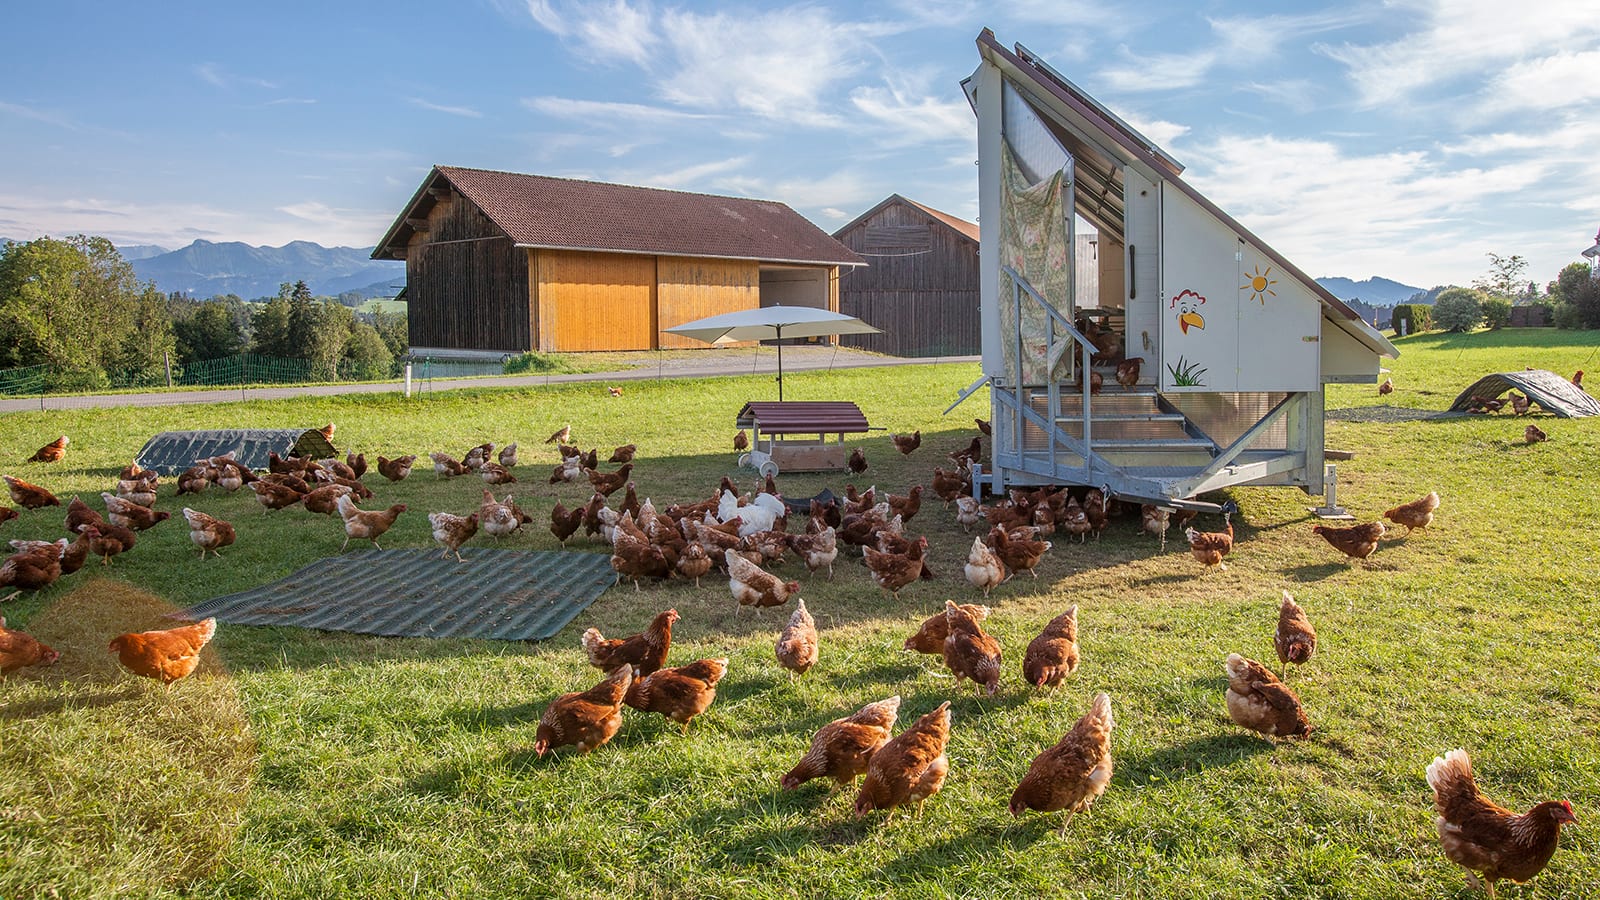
(689, 289)
(920, 285)
(466, 284)
(594, 301)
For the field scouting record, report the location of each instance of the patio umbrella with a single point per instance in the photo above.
(772, 323)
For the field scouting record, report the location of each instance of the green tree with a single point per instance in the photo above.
(148, 343)
(269, 329)
(330, 331)
(210, 331)
(76, 306)
(1496, 312)
(1504, 278)
(366, 356)
(395, 331)
(1458, 309)
(304, 319)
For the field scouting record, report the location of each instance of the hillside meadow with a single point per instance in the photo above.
(300, 763)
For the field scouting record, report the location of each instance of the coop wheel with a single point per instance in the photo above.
(768, 468)
(744, 460)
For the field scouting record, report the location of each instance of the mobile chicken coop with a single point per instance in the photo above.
(1236, 343)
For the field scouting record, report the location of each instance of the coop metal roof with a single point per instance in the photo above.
(1554, 393)
(572, 214)
(171, 452)
(511, 595)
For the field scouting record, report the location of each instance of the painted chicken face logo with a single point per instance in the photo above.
(1188, 305)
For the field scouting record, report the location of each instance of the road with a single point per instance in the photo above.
(713, 364)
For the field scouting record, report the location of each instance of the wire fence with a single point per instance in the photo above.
(246, 376)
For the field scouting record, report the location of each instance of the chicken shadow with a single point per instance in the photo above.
(1166, 764)
(477, 719)
(1316, 571)
(812, 814)
(49, 706)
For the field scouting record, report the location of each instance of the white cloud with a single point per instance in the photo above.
(630, 114)
(1162, 132)
(1564, 79)
(693, 177)
(1233, 43)
(1330, 212)
(211, 73)
(1461, 39)
(913, 117)
(463, 111)
(619, 31)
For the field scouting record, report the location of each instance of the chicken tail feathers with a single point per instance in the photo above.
(1450, 776)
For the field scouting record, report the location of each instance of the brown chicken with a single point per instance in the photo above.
(18, 650)
(969, 652)
(1260, 702)
(366, 525)
(1533, 434)
(445, 465)
(195, 479)
(893, 571)
(910, 767)
(208, 533)
(508, 455)
(984, 570)
(328, 430)
(164, 655)
(494, 473)
(357, 463)
(752, 586)
(741, 441)
(797, 643)
(645, 651)
(1386, 388)
(984, 427)
(857, 462)
(1295, 639)
(608, 483)
(1128, 371)
(968, 512)
(108, 539)
(564, 523)
(29, 496)
(7, 514)
(51, 452)
(561, 436)
(679, 693)
(818, 549)
(1018, 554)
(1053, 655)
(1075, 520)
(633, 556)
(75, 554)
(140, 490)
(947, 486)
(930, 635)
(451, 531)
(396, 469)
(1416, 514)
(132, 515)
(907, 506)
(1072, 774)
(1356, 542)
(842, 749)
(273, 496)
(906, 443)
(325, 500)
(584, 719)
(1483, 837)
(1210, 547)
(34, 565)
(1520, 404)
(693, 564)
(80, 514)
(623, 454)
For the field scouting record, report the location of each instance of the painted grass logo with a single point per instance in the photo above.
(1187, 374)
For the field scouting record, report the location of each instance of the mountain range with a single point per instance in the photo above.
(204, 269)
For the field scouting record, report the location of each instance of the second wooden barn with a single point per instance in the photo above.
(500, 262)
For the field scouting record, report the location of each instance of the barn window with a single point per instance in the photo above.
(902, 238)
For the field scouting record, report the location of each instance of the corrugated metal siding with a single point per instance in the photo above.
(506, 595)
(171, 452)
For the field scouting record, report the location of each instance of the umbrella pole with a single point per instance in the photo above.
(780, 363)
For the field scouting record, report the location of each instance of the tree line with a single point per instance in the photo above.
(75, 306)
(1572, 300)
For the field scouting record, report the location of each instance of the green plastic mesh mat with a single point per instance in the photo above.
(513, 595)
(170, 452)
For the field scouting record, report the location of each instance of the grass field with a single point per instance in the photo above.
(301, 763)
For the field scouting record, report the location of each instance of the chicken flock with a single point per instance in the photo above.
(741, 536)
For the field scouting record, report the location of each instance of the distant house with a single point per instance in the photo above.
(498, 262)
(921, 282)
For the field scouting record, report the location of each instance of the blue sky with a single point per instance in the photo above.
(1404, 139)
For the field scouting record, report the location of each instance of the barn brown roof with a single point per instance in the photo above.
(571, 214)
(961, 226)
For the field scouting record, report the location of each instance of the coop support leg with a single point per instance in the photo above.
(1330, 508)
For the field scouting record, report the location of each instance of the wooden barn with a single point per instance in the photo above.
(1234, 343)
(920, 284)
(498, 262)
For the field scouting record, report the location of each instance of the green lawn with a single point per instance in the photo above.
(305, 764)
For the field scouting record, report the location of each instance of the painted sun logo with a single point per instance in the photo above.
(1260, 285)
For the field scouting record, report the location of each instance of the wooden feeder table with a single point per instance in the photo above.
(799, 435)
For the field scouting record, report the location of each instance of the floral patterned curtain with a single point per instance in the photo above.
(1034, 241)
